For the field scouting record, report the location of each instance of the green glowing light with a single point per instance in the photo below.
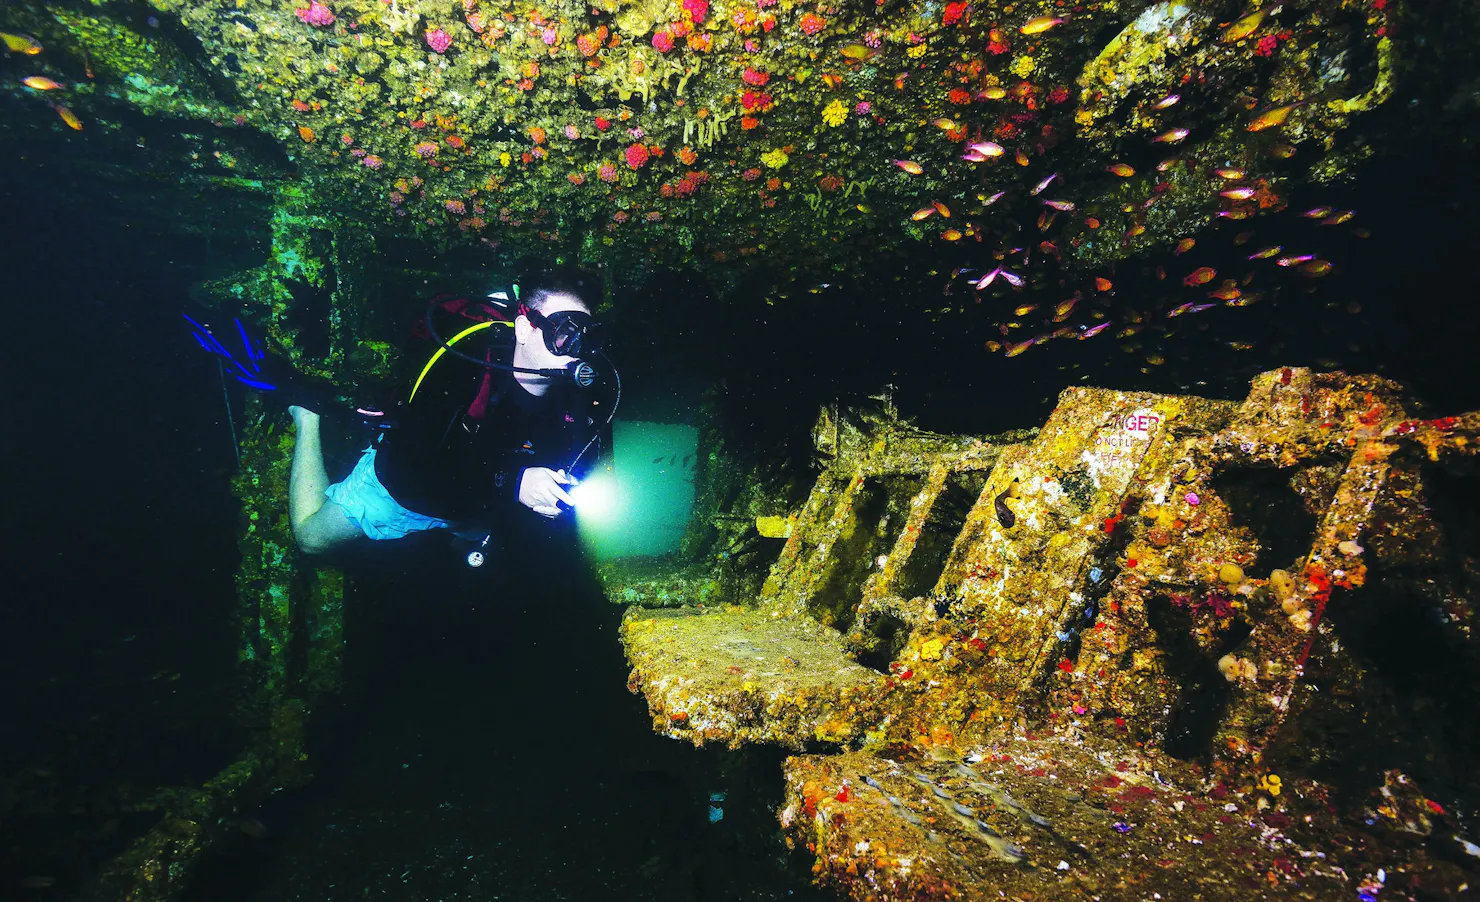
(639, 504)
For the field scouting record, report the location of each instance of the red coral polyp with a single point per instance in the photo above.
(754, 100)
(754, 77)
(637, 156)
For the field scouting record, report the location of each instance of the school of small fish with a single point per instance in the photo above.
(1234, 185)
(962, 794)
(25, 45)
(1237, 191)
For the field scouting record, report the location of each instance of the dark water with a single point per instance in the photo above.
(486, 746)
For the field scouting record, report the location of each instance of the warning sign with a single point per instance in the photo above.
(1119, 446)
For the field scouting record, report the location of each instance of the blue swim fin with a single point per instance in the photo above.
(248, 370)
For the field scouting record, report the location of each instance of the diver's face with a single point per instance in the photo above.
(530, 351)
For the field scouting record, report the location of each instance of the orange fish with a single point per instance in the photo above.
(1264, 253)
(1121, 170)
(68, 116)
(1271, 118)
(1238, 193)
(909, 166)
(306, 134)
(944, 124)
(1103, 284)
(1091, 222)
(941, 208)
(1168, 163)
(1200, 276)
(995, 92)
(1282, 151)
(858, 52)
(1243, 27)
(1135, 229)
(1184, 246)
(1015, 348)
(1063, 309)
(923, 213)
(1173, 136)
(1317, 268)
(300, 106)
(951, 235)
(1242, 238)
(1040, 24)
(831, 80)
(1339, 218)
(20, 43)
(40, 83)
(1022, 158)
(1228, 291)
(1024, 309)
(994, 346)
(1232, 175)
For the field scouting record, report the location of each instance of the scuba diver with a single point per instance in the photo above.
(498, 420)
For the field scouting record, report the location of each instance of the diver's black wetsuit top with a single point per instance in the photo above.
(443, 461)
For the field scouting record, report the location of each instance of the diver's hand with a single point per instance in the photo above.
(540, 490)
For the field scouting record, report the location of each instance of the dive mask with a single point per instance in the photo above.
(568, 333)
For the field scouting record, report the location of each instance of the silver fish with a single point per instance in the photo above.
(998, 843)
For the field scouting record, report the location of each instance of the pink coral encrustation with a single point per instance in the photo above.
(438, 40)
(637, 156)
(316, 14)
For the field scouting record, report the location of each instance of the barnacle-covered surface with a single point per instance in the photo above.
(1157, 628)
(712, 132)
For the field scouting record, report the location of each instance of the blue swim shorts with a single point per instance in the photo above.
(370, 507)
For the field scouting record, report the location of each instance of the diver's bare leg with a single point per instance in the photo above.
(319, 525)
